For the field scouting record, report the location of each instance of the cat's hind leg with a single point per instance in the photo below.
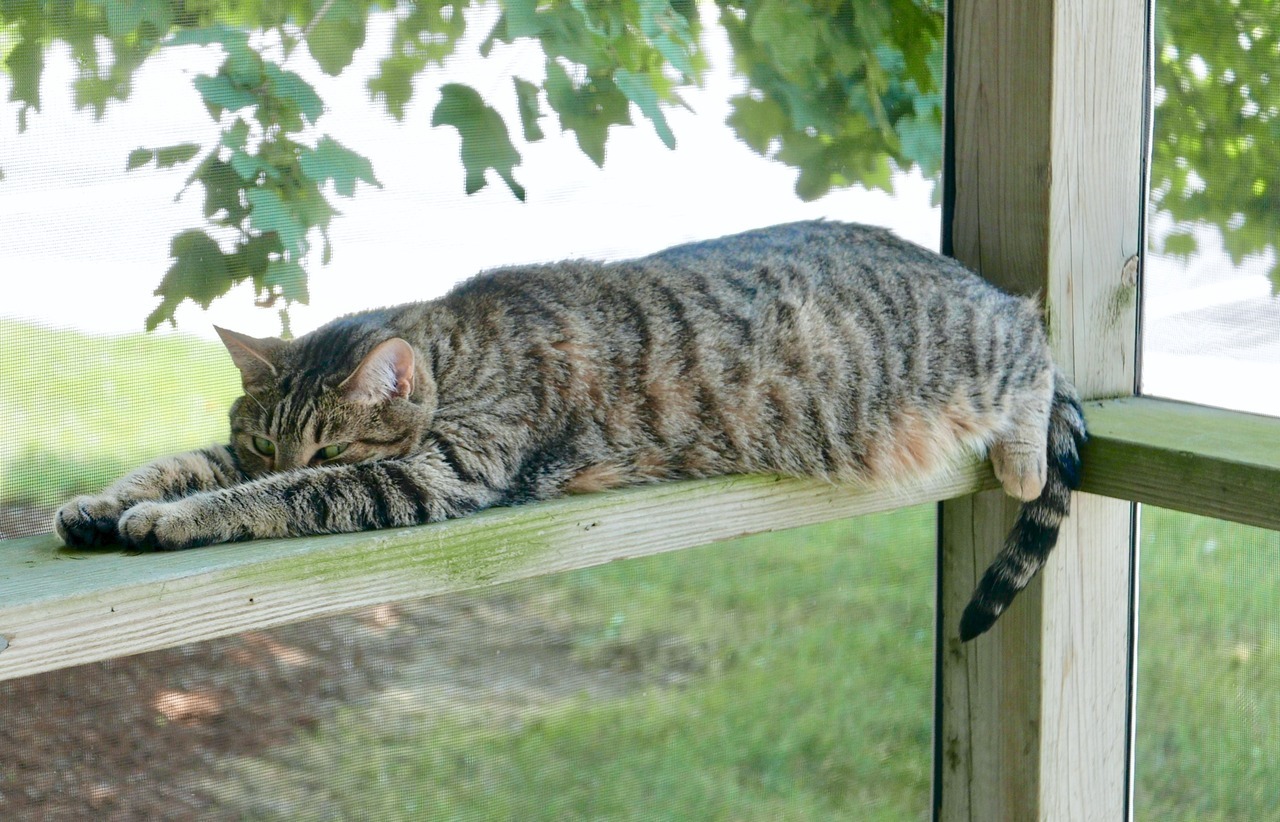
(1019, 453)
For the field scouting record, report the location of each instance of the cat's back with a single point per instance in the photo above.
(792, 243)
(814, 253)
(814, 259)
(799, 348)
(857, 286)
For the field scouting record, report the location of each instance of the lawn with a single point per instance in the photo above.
(1208, 737)
(807, 696)
(81, 410)
(783, 676)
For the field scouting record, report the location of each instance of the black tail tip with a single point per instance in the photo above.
(977, 620)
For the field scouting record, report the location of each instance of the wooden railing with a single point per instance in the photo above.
(60, 607)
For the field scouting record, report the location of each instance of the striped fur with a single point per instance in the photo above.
(811, 349)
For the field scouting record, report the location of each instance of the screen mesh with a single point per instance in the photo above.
(786, 676)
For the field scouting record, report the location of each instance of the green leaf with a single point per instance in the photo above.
(198, 273)
(25, 64)
(807, 154)
(220, 93)
(330, 160)
(789, 31)
(250, 166)
(485, 141)
(92, 91)
(394, 82)
(290, 278)
(498, 34)
(243, 66)
(920, 138)
(758, 122)
(1180, 244)
(520, 18)
(286, 85)
(222, 191)
(639, 89)
(1241, 239)
(236, 136)
(427, 33)
(1215, 150)
(250, 259)
(530, 110)
(873, 172)
(602, 18)
(126, 16)
(916, 31)
(269, 213)
(587, 111)
(421, 37)
(139, 157)
(670, 34)
(172, 155)
(218, 33)
(311, 207)
(333, 39)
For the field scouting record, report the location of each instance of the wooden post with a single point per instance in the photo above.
(1044, 196)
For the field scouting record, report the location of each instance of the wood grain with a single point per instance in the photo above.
(1045, 187)
(1206, 461)
(61, 608)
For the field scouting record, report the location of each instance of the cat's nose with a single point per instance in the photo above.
(288, 459)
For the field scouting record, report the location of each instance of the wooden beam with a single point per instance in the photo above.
(60, 608)
(1206, 461)
(1043, 195)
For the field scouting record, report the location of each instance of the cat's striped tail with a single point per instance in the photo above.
(1036, 529)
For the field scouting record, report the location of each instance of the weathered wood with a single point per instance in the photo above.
(61, 608)
(1044, 190)
(1207, 461)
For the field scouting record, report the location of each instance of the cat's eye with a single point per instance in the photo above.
(264, 446)
(331, 451)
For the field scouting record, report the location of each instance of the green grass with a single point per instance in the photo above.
(811, 693)
(814, 700)
(79, 410)
(1208, 736)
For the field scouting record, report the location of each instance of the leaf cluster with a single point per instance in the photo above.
(843, 91)
(264, 185)
(1216, 140)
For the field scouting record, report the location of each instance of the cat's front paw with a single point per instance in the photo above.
(164, 526)
(89, 521)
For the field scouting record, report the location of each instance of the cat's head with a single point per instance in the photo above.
(308, 402)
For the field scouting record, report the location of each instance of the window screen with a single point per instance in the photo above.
(146, 153)
(1208, 633)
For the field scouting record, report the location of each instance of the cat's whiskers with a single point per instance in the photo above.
(261, 407)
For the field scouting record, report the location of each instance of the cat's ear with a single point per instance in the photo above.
(252, 355)
(384, 374)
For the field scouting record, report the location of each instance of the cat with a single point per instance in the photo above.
(816, 349)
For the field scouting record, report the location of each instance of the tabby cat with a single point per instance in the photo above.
(812, 349)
